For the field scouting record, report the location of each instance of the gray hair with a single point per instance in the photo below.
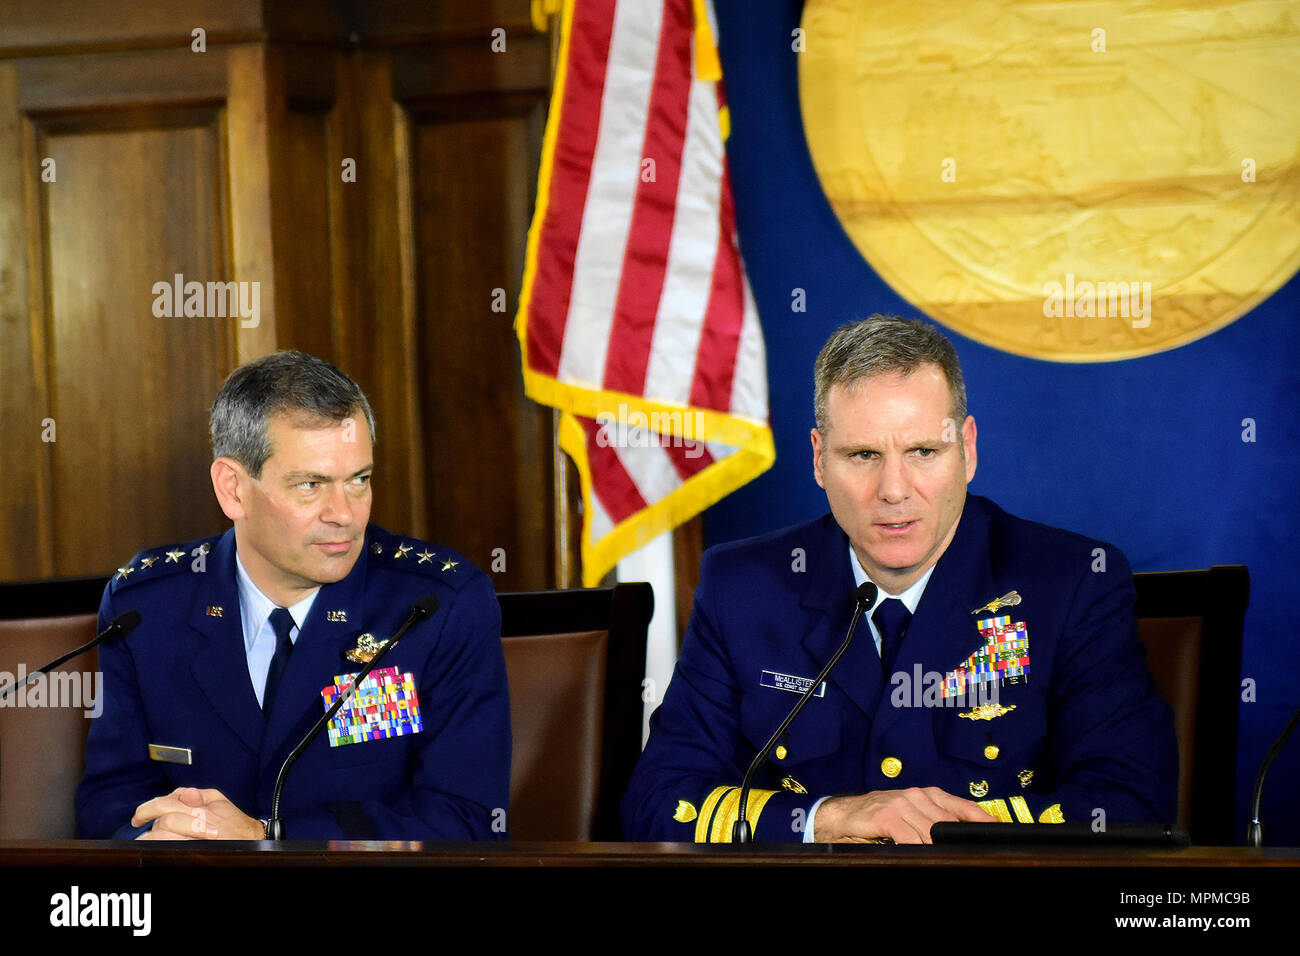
(879, 345)
(283, 382)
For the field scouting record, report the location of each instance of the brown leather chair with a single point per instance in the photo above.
(1191, 623)
(575, 661)
(41, 748)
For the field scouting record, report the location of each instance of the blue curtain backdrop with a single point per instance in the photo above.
(1146, 453)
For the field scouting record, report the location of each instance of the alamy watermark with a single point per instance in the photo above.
(926, 689)
(76, 689)
(636, 429)
(208, 300)
(1098, 299)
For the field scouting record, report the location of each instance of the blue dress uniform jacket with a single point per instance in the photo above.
(181, 680)
(1088, 731)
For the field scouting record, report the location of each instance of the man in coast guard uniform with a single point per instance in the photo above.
(997, 676)
(245, 639)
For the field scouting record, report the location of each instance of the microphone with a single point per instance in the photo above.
(423, 608)
(863, 598)
(124, 622)
(1255, 832)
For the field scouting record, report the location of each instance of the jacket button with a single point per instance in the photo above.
(891, 766)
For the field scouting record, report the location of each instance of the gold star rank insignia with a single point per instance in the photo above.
(123, 572)
(174, 556)
(425, 556)
(148, 562)
(685, 812)
(402, 551)
(449, 564)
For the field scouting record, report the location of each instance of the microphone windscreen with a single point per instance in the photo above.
(426, 606)
(127, 621)
(865, 595)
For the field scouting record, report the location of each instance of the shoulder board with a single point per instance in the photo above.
(156, 563)
(394, 552)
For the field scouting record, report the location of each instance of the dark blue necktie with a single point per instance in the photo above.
(891, 619)
(282, 624)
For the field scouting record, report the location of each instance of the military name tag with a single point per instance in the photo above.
(182, 755)
(796, 685)
(385, 705)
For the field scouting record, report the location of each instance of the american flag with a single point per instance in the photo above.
(636, 319)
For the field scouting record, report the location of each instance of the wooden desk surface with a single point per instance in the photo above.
(85, 853)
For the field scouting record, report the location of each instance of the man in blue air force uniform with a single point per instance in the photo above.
(244, 639)
(997, 676)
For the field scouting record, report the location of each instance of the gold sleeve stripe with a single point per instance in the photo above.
(728, 811)
(1052, 814)
(997, 808)
(706, 814)
(722, 808)
(1023, 813)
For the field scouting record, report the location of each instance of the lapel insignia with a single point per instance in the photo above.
(174, 556)
(148, 562)
(1026, 777)
(338, 617)
(366, 649)
(402, 551)
(1010, 599)
(425, 556)
(214, 610)
(449, 565)
(123, 573)
(988, 711)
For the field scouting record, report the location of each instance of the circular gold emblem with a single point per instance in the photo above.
(891, 766)
(980, 789)
(781, 752)
(1069, 184)
(991, 751)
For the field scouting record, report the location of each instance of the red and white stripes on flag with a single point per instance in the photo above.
(636, 319)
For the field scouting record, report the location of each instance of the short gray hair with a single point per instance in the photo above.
(880, 345)
(280, 383)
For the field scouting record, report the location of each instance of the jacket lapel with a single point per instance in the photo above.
(220, 667)
(942, 632)
(830, 604)
(316, 660)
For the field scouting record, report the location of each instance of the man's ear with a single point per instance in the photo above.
(968, 446)
(230, 483)
(816, 437)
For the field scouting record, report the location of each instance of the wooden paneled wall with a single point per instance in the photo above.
(128, 157)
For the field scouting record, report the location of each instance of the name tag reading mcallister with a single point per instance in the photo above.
(795, 685)
(171, 754)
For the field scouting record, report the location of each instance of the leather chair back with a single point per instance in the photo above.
(557, 709)
(42, 746)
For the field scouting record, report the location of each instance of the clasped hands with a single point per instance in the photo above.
(903, 816)
(188, 813)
